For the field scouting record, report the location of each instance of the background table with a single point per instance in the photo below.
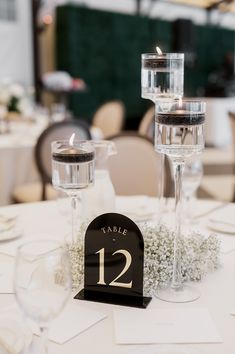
(217, 289)
(17, 162)
(17, 157)
(217, 125)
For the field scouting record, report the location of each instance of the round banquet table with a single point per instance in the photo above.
(17, 163)
(217, 288)
(17, 157)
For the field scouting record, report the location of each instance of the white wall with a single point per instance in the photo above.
(15, 41)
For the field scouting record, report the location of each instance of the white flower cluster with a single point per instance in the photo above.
(199, 255)
(13, 97)
(76, 254)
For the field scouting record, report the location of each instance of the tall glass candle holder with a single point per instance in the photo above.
(162, 78)
(179, 135)
(72, 171)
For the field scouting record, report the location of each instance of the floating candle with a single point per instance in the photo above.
(180, 118)
(162, 75)
(181, 113)
(73, 155)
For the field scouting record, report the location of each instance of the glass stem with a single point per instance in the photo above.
(161, 184)
(44, 340)
(188, 207)
(176, 276)
(74, 205)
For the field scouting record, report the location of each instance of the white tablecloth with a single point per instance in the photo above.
(17, 157)
(217, 289)
(17, 163)
(217, 126)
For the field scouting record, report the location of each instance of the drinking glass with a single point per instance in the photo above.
(162, 78)
(179, 135)
(73, 171)
(192, 176)
(42, 282)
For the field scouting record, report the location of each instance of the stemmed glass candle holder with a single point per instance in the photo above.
(72, 171)
(179, 135)
(162, 78)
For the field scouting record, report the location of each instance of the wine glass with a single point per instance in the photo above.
(42, 282)
(192, 176)
(73, 171)
(162, 78)
(179, 135)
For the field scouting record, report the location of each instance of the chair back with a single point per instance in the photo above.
(109, 118)
(232, 124)
(135, 169)
(56, 131)
(146, 126)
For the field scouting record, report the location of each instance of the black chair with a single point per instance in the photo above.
(43, 190)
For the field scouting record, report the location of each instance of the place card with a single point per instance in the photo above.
(191, 325)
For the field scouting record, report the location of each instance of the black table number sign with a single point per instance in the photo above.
(114, 262)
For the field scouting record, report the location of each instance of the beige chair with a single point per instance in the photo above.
(109, 118)
(146, 126)
(43, 190)
(135, 168)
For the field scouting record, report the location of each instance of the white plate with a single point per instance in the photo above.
(10, 234)
(14, 336)
(221, 227)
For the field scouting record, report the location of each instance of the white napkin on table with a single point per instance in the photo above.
(6, 275)
(189, 325)
(10, 248)
(76, 318)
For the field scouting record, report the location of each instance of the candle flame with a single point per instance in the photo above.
(71, 140)
(180, 103)
(158, 51)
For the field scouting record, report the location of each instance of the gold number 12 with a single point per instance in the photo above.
(126, 267)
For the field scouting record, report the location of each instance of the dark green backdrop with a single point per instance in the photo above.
(105, 48)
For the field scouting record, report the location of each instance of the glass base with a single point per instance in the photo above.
(186, 293)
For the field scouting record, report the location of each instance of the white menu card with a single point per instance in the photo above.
(189, 325)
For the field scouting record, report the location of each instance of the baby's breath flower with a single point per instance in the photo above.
(199, 255)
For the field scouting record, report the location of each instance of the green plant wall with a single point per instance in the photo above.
(105, 49)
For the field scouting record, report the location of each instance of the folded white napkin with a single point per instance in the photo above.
(10, 248)
(74, 319)
(189, 325)
(6, 275)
